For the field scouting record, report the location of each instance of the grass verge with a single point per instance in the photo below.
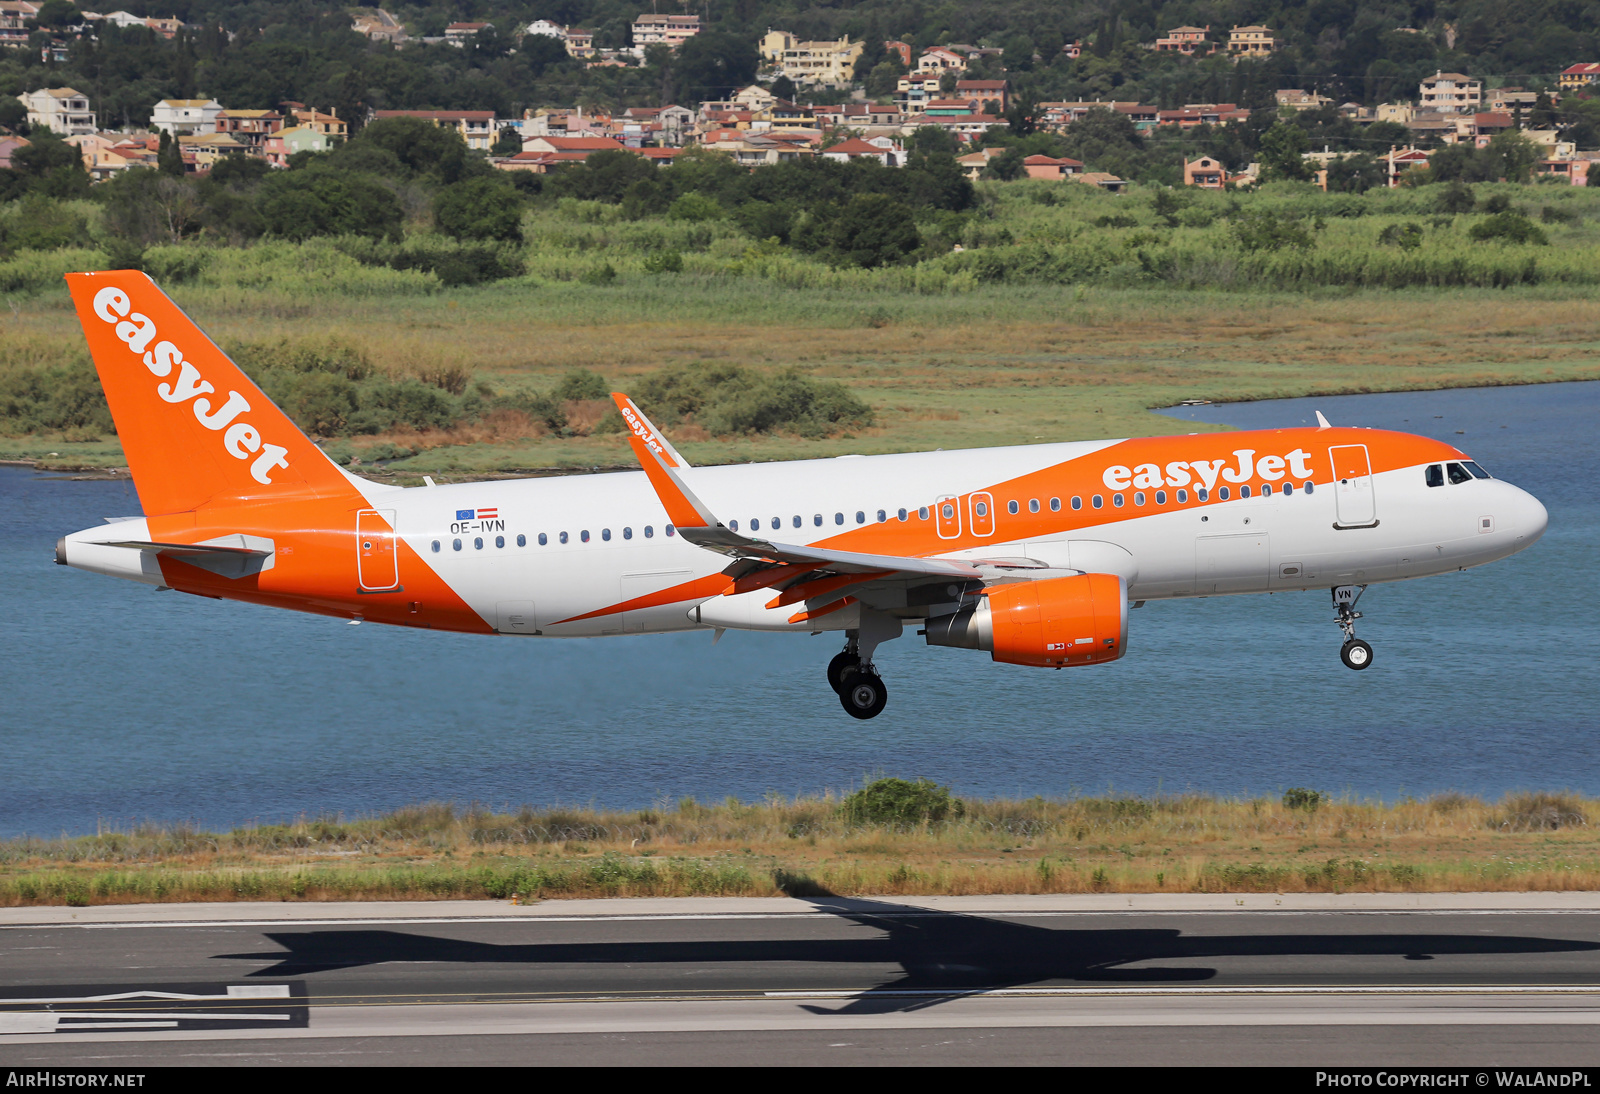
(817, 846)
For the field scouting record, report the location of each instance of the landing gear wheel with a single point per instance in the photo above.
(841, 664)
(862, 694)
(1356, 654)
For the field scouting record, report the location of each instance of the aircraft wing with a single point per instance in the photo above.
(812, 574)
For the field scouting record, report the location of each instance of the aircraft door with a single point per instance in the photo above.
(982, 515)
(1352, 486)
(377, 562)
(947, 516)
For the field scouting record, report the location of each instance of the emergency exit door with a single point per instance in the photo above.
(377, 566)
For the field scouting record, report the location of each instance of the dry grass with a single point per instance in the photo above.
(993, 366)
(1528, 841)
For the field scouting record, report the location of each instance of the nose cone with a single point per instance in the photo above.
(1531, 517)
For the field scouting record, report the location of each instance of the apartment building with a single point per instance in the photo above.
(14, 18)
(1580, 75)
(477, 127)
(250, 127)
(1185, 40)
(667, 30)
(1252, 41)
(186, 117)
(811, 64)
(1450, 93)
(61, 109)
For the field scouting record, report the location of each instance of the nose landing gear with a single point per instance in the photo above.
(1355, 653)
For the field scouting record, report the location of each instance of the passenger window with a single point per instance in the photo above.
(1077, 503)
(477, 543)
(499, 541)
(1116, 499)
(1223, 494)
(1477, 472)
(733, 526)
(922, 514)
(563, 537)
(861, 518)
(1098, 502)
(455, 544)
(1011, 507)
(1055, 505)
(544, 540)
(798, 522)
(1138, 497)
(838, 518)
(902, 515)
(1266, 490)
(947, 511)
(584, 535)
(1033, 505)
(882, 516)
(1435, 475)
(671, 531)
(522, 541)
(1161, 497)
(1183, 496)
(435, 546)
(777, 524)
(1244, 491)
(1310, 488)
(817, 520)
(649, 531)
(627, 533)
(1202, 494)
(981, 508)
(1288, 488)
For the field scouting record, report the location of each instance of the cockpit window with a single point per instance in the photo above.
(1436, 474)
(1477, 472)
(1458, 474)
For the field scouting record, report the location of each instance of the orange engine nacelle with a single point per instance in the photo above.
(1081, 620)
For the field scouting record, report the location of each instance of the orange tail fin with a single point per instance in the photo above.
(195, 429)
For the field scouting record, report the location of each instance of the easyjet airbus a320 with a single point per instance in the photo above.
(1033, 553)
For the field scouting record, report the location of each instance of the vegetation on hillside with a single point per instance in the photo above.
(892, 837)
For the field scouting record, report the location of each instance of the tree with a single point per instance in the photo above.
(50, 166)
(508, 142)
(1282, 153)
(169, 156)
(485, 208)
(1355, 174)
(783, 88)
(540, 52)
(1007, 166)
(316, 201)
(715, 64)
(58, 14)
(874, 230)
(1023, 117)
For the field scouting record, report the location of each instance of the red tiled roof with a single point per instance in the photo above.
(1498, 118)
(855, 146)
(1590, 68)
(438, 115)
(1048, 161)
(980, 85)
(581, 144)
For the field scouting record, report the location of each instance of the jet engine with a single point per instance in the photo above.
(1060, 621)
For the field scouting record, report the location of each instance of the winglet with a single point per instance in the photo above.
(653, 435)
(661, 462)
(1322, 423)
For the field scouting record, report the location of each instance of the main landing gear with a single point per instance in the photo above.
(1355, 653)
(861, 690)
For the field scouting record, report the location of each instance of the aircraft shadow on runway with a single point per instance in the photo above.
(936, 951)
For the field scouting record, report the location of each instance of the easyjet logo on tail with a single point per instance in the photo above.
(241, 439)
(642, 431)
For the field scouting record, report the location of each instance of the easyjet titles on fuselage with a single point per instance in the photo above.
(1149, 476)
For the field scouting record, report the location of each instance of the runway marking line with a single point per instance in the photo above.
(843, 913)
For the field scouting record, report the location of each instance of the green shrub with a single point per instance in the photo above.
(1510, 228)
(603, 274)
(663, 262)
(1264, 230)
(1539, 812)
(485, 208)
(730, 399)
(581, 383)
(1407, 236)
(898, 803)
(1298, 797)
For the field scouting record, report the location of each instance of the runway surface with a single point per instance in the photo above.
(1041, 980)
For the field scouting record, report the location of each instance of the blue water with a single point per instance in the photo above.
(121, 704)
